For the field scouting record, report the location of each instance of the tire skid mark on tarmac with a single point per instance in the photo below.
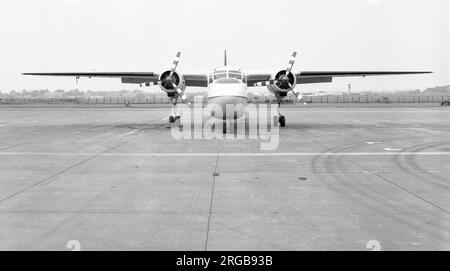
(13, 146)
(395, 184)
(433, 222)
(369, 199)
(408, 164)
(339, 161)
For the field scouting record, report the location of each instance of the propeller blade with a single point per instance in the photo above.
(175, 64)
(180, 92)
(291, 63)
(299, 95)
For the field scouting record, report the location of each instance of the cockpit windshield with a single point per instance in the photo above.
(234, 74)
(220, 75)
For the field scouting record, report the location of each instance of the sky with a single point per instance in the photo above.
(142, 35)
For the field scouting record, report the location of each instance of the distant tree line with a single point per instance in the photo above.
(137, 93)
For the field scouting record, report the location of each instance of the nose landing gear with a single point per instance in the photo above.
(229, 125)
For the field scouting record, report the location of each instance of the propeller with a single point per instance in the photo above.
(284, 80)
(171, 80)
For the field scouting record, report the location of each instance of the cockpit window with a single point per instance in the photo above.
(232, 74)
(235, 75)
(220, 75)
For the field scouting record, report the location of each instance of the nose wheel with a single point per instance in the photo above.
(229, 125)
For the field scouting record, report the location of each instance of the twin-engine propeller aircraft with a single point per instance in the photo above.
(228, 85)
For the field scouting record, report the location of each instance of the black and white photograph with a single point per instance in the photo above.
(207, 126)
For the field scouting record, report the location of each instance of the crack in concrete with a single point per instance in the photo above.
(215, 174)
(48, 179)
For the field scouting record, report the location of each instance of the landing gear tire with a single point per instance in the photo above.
(171, 119)
(177, 121)
(282, 121)
(224, 125)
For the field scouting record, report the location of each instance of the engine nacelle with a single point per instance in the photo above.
(284, 83)
(170, 84)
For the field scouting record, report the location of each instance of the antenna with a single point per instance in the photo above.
(225, 60)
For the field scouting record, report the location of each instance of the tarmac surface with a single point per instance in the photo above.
(115, 179)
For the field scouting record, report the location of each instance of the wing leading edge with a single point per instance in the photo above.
(313, 77)
(201, 80)
(97, 74)
(192, 80)
(126, 77)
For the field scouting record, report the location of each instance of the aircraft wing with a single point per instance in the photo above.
(201, 80)
(193, 80)
(312, 77)
(126, 77)
(256, 78)
(308, 77)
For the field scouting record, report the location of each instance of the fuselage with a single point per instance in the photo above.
(228, 87)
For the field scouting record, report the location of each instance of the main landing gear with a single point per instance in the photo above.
(174, 114)
(281, 118)
(282, 121)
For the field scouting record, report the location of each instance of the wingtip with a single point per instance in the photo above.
(425, 72)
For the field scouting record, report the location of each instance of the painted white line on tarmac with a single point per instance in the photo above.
(389, 149)
(298, 154)
(382, 110)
